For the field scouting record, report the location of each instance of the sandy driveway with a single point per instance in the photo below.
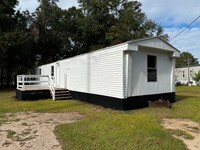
(33, 131)
(185, 127)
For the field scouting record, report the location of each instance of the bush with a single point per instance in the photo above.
(196, 78)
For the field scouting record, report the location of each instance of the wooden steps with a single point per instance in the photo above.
(62, 94)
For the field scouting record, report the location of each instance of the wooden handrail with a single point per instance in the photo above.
(28, 81)
(52, 87)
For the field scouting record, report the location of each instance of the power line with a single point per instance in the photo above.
(185, 28)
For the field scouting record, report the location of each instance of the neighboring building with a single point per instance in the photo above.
(181, 74)
(124, 76)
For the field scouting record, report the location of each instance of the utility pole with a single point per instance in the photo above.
(188, 63)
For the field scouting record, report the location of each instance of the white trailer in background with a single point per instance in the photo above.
(186, 74)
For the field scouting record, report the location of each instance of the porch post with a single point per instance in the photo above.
(23, 82)
(130, 70)
(173, 74)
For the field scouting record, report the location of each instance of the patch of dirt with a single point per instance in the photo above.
(187, 126)
(33, 131)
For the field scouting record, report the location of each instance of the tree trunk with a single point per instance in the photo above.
(2, 77)
(7, 77)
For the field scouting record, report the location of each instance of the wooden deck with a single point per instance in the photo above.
(38, 89)
(36, 93)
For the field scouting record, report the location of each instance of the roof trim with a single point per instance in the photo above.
(198, 65)
(155, 37)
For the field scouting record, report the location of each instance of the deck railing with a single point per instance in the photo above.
(52, 87)
(36, 82)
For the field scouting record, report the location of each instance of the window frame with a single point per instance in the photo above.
(152, 68)
(40, 71)
(52, 71)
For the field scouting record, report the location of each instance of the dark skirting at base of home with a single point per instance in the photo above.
(122, 104)
(32, 94)
(105, 101)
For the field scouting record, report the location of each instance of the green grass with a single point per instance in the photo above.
(118, 131)
(110, 129)
(181, 133)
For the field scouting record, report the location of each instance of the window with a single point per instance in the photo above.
(151, 68)
(183, 74)
(191, 73)
(52, 70)
(40, 72)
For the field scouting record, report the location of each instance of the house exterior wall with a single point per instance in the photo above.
(181, 74)
(165, 73)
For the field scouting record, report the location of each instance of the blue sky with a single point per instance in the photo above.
(172, 15)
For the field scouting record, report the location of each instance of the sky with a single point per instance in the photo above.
(172, 15)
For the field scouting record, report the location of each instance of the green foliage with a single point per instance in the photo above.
(196, 78)
(46, 22)
(16, 42)
(114, 22)
(7, 19)
(184, 58)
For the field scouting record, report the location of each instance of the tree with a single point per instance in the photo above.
(196, 78)
(16, 42)
(113, 22)
(8, 21)
(7, 11)
(186, 57)
(47, 21)
(95, 24)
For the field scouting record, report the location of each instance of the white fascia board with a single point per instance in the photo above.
(153, 43)
(176, 54)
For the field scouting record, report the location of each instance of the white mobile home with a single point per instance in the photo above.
(186, 74)
(123, 76)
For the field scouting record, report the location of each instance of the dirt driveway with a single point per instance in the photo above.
(33, 131)
(185, 130)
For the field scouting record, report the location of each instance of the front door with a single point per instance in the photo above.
(57, 74)
(65, 81)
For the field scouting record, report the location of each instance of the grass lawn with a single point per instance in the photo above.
(109, 129)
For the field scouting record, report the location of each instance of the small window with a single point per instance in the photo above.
(40, 72)
(52, 70)
(152, 68)
(183, 74)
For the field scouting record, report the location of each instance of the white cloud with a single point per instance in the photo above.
(31, 5)
(171, 12)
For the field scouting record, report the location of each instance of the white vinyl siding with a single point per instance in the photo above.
(141, 86)
(96, 73)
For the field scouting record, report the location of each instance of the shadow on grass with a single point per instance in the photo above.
(10, 89)
(183, 97)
